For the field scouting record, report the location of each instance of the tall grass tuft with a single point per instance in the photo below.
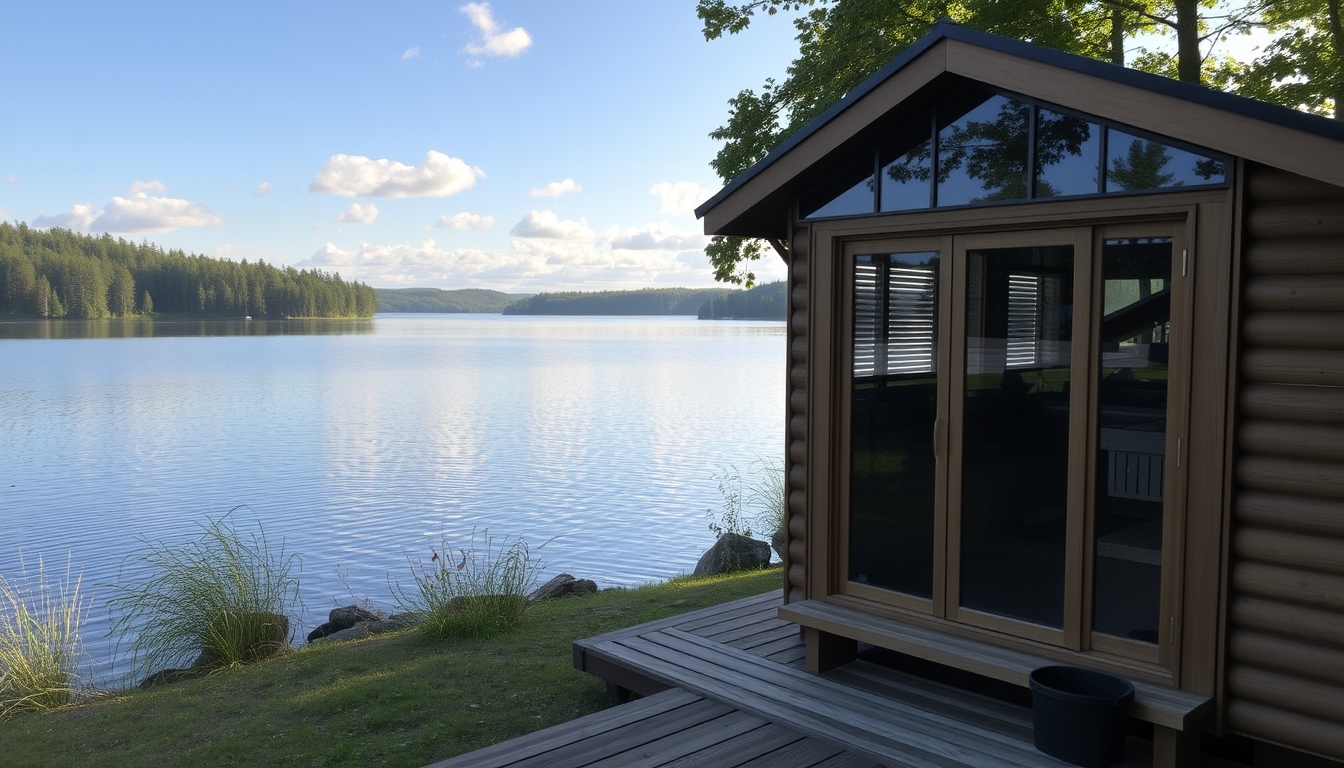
(40, 646)
(222, 599)
(473, 591)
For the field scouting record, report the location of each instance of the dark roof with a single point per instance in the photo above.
(949, 30)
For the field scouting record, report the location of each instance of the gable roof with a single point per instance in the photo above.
(749, 205)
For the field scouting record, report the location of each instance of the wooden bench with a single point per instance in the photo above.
(885, 716)
(832, 631)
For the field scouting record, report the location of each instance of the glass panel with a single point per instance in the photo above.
(906, 158)
(895, 402)
(1134, 164)
(1067, 153)
(1019, 325)
(982, 150)
(1132, 425)
(848, 191)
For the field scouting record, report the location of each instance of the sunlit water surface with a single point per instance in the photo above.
(358, 444)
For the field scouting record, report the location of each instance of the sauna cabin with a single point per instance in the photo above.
(1066, 384)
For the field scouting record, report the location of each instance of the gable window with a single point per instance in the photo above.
(979, 147)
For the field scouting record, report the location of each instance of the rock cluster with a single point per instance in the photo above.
(563, 585)
(733, 552)
(267, 633)
(353, 622)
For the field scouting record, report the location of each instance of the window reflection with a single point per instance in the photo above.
(1131, 437)
(1134, 164)
(1067, 153)
(1015, 431)
(846, 192)
(906, 159)
(895, 403)
(982, 151)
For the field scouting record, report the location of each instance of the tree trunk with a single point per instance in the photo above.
(1118, 38)
(1337, 43)
(1187, 41)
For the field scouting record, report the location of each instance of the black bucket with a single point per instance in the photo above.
(1079, 714)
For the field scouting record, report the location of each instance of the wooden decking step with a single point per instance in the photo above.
(673, 729)
(1161, 705)
(884, 716)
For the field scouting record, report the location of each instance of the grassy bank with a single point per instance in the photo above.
(397, 700)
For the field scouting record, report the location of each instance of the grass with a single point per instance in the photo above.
(219, 600)
(481, 594)
(396, 700)
(39, 641)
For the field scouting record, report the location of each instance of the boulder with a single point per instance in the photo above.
(349, 616)
(563, 585)
(733, 552)
(357, 632)
(779, 541)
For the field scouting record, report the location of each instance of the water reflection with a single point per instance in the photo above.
(143, 328)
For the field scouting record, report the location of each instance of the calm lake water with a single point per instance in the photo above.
(360, 443)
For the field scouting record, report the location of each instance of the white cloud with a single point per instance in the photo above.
(551, 227)
(555, 189)
(143, 188)
(80, 217)
(654, 236)
(527, 265)
(359, 214)
(263, 189)
(139, 213)
(493, 42)
(15, 179)
(465, 220)
(320, 227)
(4, 214)
(357, 176)
(679, 198)
(411, 53)
(228, 251)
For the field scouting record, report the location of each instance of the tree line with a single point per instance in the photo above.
(648, 301)
(764, 302)
(58, 273)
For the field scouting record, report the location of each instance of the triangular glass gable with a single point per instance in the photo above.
(976, 148)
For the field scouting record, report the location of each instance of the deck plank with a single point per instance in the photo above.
(731, 754)
(674, 746)
(508, 752)
(624, 738)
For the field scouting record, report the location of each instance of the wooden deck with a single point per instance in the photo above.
(726, 686)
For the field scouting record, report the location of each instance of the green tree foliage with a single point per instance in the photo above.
(58, 273)
(1304, 67)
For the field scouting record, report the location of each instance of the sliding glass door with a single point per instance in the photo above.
(1007, 462)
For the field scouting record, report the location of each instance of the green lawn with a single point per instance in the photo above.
(395, 700)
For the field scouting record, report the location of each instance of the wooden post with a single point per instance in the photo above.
(1173, 748)
(827, 651)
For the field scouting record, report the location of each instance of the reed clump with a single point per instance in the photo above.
(473, 591)
(40, 647)
(222, 599)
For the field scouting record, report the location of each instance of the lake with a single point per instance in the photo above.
(362, 443)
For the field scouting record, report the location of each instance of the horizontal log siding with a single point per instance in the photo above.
(795, 459)
(1285, 670)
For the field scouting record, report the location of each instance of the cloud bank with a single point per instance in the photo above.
(357, 176)
(141, 213)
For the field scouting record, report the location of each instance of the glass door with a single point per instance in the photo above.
(1018, 394)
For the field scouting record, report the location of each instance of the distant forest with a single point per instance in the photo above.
(765, 302)
(59, 273)
(439, 300)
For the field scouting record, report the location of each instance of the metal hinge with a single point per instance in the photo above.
(1185, 258)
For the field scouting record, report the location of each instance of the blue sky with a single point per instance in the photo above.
(521, 146)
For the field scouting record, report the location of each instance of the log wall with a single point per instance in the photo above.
(796, 388)
(1285, 644)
